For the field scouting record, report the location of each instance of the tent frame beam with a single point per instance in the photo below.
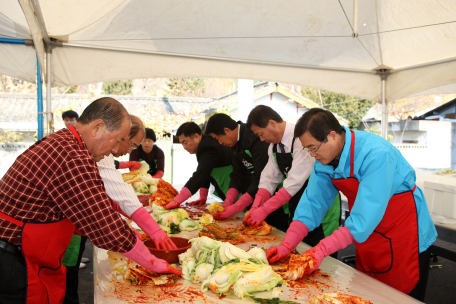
(114, 49)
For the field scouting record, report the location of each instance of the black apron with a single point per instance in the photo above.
(245, 157)
(152, 166)
(282, 217)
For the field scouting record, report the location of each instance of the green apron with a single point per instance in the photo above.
(220, 178)
(71, 254)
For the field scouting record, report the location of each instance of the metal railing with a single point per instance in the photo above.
(410, 146)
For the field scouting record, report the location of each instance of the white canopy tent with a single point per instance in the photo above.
(378, 50)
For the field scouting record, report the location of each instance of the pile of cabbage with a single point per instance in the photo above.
(142, 182)
(177, 220)
(223, 267)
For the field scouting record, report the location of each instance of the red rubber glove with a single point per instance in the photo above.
(141, 255)
(339, 239)
(240, 205)
(203, 198)
(278, 200)
(295, 234)
(149, 226)
(132, 165)
(203, 194)
(260, 197)
(231, 197)
(183, 195)
(159, 174)
(117, 208)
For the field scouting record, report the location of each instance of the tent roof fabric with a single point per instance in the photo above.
(328, 44)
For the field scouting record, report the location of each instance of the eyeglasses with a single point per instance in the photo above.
(314, 151)
(134, 146)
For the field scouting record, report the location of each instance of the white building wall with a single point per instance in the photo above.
(280, 104)
(184, 164)
(436, 147)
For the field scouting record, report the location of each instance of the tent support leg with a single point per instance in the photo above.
(39, 99)
(50, 125)
(384, 111)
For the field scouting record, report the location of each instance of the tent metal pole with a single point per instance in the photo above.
(50, 126)
(39, 92)
(39, 87)
(384, 111)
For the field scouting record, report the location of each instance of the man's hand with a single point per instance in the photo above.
(229, 211)
(247, 216)
(183, 195)
(141, 255)
(153, 230)
(240, 205)
(172, 205)
(276, 253)
(256, 217)
(162, 240)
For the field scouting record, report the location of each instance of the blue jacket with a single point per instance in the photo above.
(382, 172)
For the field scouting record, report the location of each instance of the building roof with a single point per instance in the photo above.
(230, 102)
(19, 111)
(437, 110)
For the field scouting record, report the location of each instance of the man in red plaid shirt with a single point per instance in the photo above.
(54, 187)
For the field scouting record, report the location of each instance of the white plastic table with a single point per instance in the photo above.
(343, 279)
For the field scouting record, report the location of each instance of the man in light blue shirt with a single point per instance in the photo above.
(389, 220)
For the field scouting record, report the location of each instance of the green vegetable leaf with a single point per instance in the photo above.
(271, 301)
(174, 228)
(256, 261)
(233, 261)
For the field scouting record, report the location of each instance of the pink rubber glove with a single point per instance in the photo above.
(278, 200)
(141, 255)
(260, 197)
(183, 195)
(117, 208)
(132, 165)
(339, 239)
(231, 197)
(295, 234)
(240, 205)
(203, 194)
(159, 174)
(149, 226)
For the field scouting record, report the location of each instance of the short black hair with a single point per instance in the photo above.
(188, 129)
(108, 109)
(261, 115)
(218, 122)
(151, 134)
(319, 122)
(70, 114)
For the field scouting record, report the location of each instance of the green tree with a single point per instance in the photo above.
(73, 89)
(187, 87)
(7, 136)
(120, 87)
(351, 108)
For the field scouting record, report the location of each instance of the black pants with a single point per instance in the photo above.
(419, 291)
(72, 278)
(13, 275)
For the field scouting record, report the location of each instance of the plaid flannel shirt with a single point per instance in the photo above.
(58, 178)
